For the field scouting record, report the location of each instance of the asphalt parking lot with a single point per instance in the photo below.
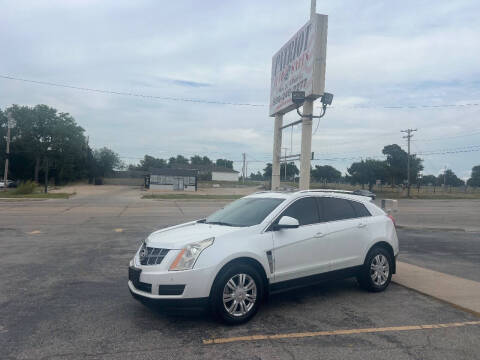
(64, 295)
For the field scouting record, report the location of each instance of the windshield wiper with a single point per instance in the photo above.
(219, 223)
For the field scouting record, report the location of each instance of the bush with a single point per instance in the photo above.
(28, 187)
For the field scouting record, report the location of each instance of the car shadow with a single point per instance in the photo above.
(327, 290)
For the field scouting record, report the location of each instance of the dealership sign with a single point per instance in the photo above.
(300, 65)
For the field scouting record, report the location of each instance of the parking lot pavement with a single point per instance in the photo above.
(64, 295)
(452, 214)
(451, 252)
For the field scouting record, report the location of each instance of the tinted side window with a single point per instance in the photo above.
(337, 209)
(360, 209)
(304, 210)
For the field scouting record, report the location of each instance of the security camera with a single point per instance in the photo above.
(298, 98)
(327, 99)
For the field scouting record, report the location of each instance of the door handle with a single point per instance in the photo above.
(361, 225)
(319, 234)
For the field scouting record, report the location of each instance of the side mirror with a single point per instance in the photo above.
(286, 222)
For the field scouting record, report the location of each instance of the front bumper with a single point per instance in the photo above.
(170, 303)
(157, 283)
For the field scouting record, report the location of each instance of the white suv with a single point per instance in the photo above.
(262, 244)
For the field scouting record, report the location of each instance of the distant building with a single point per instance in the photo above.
(172, 179)
(211, 172)
(224, 174)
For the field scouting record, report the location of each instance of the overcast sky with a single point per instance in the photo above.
(379, 54)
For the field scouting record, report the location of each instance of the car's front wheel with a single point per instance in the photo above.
(237, 293)
(376, 272)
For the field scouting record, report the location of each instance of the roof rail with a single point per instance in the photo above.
(328, 190)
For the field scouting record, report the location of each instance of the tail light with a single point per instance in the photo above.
(393, 219)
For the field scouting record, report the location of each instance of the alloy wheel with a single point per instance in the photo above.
(239, 295)
(379, 270)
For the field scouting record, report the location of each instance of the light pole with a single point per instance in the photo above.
(10, 124)
(46, 169)
(408, 137)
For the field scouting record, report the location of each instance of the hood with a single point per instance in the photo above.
(177, 237)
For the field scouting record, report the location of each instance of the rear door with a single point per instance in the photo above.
(348, 231)
(302, 251)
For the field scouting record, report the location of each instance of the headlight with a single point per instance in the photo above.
(189, 254)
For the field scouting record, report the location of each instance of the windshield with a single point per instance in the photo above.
(244, 212)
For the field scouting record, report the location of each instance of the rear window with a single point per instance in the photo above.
(337, 209)
(360, 209)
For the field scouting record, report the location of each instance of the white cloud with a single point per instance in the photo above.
(379, 53)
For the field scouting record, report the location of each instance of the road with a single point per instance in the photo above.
(451, 252)
(64, 295)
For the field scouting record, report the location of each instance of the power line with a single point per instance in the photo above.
(219, 102)
(394, 107)
(450, 137)
(128, 93)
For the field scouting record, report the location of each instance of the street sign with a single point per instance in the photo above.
(300, 66)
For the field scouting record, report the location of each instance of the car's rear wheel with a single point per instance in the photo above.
(376, 272)
(237, 293)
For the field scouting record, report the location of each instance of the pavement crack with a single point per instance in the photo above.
(179, 208)
(123, 210)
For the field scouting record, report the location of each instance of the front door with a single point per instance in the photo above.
(302, 251)
(349, 232)
(178, 184)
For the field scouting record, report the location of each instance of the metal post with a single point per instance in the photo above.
(408, 169)
(10, 124)
(243, 168)
(46, 174)
(306, 152)
(313, 8)
(277, 145)
(408, 137)
(5, 174)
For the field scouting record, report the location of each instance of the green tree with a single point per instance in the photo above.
(224, 163)
(292, 171)
(200, 160)
(179, 160)
(257, 177)
(429, 180)
(475, 177)
(367, 172)
(106, 161)
(397, 160)
(449, 178)
(326, 173)
(148, 162)
(44, 137)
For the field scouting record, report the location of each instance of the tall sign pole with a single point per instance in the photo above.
(299, 66)
(306, 145)
(277, 148)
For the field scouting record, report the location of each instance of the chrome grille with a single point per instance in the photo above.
(152, 256)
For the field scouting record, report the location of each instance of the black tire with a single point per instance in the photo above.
(367, 275)
(234, 271)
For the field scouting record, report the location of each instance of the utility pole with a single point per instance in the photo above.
(445, 178)
(10, 124)
(244, 166)
(408, 137)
